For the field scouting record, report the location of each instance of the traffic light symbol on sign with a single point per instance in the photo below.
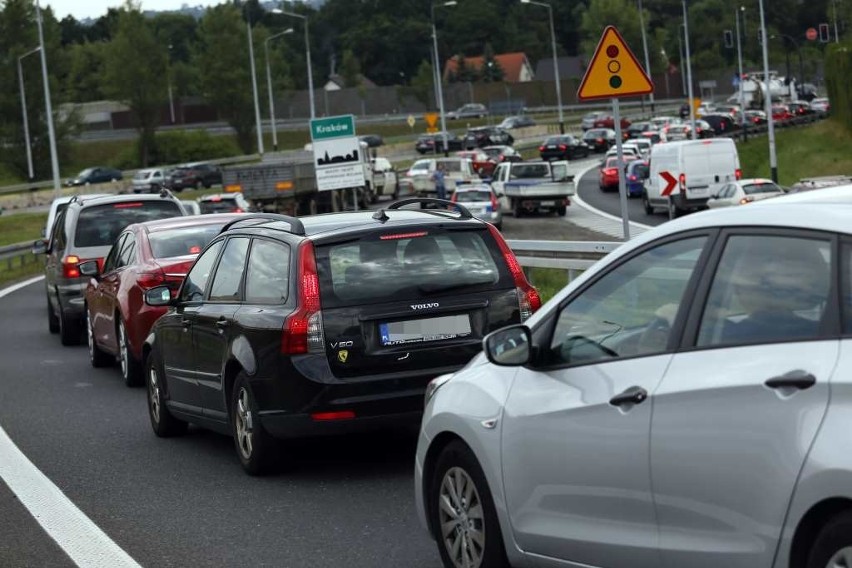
(823, 33)
(614, 67)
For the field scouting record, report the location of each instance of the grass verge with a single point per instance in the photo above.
(819, 149)
(21, 227)
(20, 268)
(548, 281)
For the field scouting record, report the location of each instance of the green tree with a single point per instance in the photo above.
(84, 80)
(350, 69)
(222, 55)
(423, 84)
(134, 72)
(491, 71)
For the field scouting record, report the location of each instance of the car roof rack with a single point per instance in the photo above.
(464, 213)
(296, 226)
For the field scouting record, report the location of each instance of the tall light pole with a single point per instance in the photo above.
(24, 114)
(269, 86)
(51, 132)
(767, 102)
(740, 77)
(688, 70)
(836, 35)
(555, 61)
(258, 125)
(645, 46)
(307, 58)
(438, 73)
(682, 59)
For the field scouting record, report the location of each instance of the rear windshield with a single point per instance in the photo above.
(768, 187)
(221, 206)
(100, 225)
(183, 241)
(471, 196)
(529, 171)
(451, 165)
(414, 266)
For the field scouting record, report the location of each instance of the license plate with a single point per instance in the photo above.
(698, 190)
(548, 203)
(423, 330)
(551, 147)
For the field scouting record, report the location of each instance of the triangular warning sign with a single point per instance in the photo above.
(614, 71)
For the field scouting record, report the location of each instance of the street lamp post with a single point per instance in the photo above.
(767, 100)
(269, 87)
(259, 125)
(438, 82)
(51, 132)
(743, 122)
(645, 46)
(24, 114)
(307, 59)
(169, 80)
(555, 61)
(682, 59)
(688, 70)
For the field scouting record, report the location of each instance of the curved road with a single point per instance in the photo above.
(608, 202)
(186, 501)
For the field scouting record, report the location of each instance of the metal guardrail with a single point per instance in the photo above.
(16, 256)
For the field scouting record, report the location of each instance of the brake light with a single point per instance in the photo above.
(126, 205)
(563, 147)
(148, 280)
(70, 266)
(494, 204)
(738, 173)
(632, 177)
(528, 299)
(239, 210)
(600, 140)
(541, 148)
(682, 182)
(454, 198)
(396, 236)
(303, 331)
(745, 200)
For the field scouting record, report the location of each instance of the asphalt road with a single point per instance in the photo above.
(608, 201)
(186, 501)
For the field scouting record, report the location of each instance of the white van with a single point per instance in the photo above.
(699, 169)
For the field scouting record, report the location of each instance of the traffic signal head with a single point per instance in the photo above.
(729, 38)
(823, 33)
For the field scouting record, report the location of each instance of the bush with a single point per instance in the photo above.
(838, 80)
(179, 146)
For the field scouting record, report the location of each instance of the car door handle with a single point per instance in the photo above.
(633, 395)
(222, 323)
(797, 379)
(185, 322)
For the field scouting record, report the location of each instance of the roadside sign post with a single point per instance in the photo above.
(614, 73)
(338, 163)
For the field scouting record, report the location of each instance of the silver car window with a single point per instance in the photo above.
(767, 289)
(630, 310)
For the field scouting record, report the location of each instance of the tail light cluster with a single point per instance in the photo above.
(154, 278)
(738, 173)
(303, 332)
(682, 182)
(528, 299)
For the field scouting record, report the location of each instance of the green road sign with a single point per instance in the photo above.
(333, 127)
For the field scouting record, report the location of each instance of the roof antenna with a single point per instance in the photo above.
(381, 216)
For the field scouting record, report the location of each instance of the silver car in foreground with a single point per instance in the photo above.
(685, 403)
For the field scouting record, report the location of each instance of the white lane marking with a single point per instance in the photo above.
(19, 285)
(80, 538)
(597, 211)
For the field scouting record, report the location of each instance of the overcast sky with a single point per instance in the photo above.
(82, 9)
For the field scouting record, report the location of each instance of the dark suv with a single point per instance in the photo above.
(193, 176)
(327, 324)
(86, 230)
(482, 136)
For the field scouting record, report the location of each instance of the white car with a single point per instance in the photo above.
(418, 179)
(384, 177)
(59, 204)
(482, 203)
(684, 403)
(744, 191)
(148, 180)
(629, 150)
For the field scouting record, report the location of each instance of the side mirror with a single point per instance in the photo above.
(40, 246)
(89, 268)
(509, 347)
(159, 296)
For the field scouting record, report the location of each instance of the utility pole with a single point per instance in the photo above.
(645, 46)
(51, 132)
(688, 70)
(767, 102)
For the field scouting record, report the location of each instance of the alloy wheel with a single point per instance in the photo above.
(154, 399)
(462, 519)
(243, 420)
(841, 559)
(90, 336)
(122, 350)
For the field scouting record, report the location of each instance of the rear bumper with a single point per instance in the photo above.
(284, 426)
(72, 299)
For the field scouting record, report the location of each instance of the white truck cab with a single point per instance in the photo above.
(683, 175)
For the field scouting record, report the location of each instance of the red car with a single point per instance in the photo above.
(478, 160)
(609, 122)
(145, 255)
(609, 174)
(781, 112)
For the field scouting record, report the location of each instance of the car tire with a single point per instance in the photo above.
(198, 185)
(97, 357)
(473, 521)
(69, 330)
(52, 320)
(131, 369)
(673, 210)
(256, 449)
(561, 211)
(646, 205)
(164, 424)
(833, 544)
